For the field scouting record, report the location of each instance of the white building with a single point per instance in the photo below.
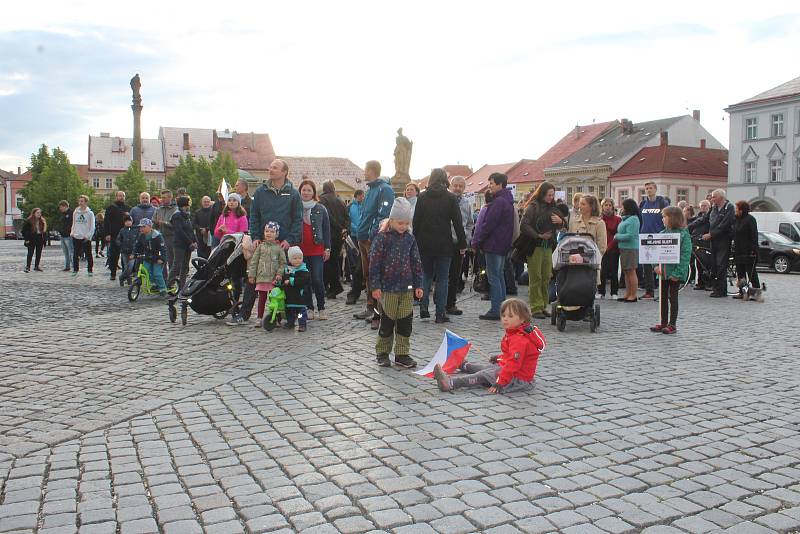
(764, 156)
(111, 156)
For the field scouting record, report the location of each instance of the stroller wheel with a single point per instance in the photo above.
(268, 324)
(562, 324)
(173, 313)
(592, 324)
(553, 314)
(184, 314)
(597, 314)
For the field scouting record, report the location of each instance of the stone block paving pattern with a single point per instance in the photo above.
(114, 420)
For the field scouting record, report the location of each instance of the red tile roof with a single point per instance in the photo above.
(478, 180)
(577, 138)
(673, 159)
(451, 170)
(250, 151)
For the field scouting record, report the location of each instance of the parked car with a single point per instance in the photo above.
(11, 235)
(778, 252)
(55, 235)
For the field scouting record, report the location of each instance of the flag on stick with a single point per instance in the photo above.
(223, 189)
(450, 355)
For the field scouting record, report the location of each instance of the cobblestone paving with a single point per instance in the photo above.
(114, 420)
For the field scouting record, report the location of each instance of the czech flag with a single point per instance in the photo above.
(450, 355)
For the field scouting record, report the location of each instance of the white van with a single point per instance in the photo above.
(786, 223)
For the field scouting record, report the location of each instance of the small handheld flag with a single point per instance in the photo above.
(223, 189)
(450, 356)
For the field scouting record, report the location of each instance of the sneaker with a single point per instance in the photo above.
(613, 296)
(442, 380)
(648, 295)
(375, 323)
(424, 314)
(669, 329)
(66, 269)
(599, 296)
(301, 328)
(366, 314)
(454, 311)
(323, 315)
(404, 361)
(441, 319)
(312, 315)
(259, 322)
(74, 273)
(657, 328)
(236, 320)
(382, 360)
(489, 317)
(27, 269)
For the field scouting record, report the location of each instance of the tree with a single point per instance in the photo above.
(201, 178)
(132, 182)
(223, 166)
(54, 178)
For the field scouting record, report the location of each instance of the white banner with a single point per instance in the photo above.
(659, 248)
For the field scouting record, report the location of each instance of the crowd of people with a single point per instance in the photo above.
(415, 251)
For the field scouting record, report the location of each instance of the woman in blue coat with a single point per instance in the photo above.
(627, 239)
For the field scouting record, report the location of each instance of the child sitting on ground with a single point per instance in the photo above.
(296, 281)
(515, 368)
(395, 276)
(126, 240)
(150, 244)
(266, 267)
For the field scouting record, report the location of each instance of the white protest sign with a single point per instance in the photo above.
(659, 248)
(561, 195)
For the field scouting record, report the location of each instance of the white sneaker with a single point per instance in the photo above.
(598, 296)
(614, 297)
(312, 315)
(323, 315)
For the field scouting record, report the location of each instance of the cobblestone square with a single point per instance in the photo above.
(114, 420)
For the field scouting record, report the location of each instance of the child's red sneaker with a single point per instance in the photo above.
(658, 328)
(669, 329)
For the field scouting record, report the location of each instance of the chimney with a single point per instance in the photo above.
(702, 143)
(696, 115)
(664, 138)
(577, 131)
(627, 126)
(19, 171)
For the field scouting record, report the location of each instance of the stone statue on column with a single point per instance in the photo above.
(136, 85)
(402, 162)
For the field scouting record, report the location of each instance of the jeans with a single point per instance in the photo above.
(248, 300)
(35, 247)
(295, 313)
(82, 246)
(316, 268)
(363, 248)
(497, 282)
(66, 248)
(127, 267)
(435, 268)
(156, 275)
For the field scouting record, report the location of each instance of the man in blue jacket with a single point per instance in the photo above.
(275, 200)
(652, 223)
(353, 259)
(376, 207)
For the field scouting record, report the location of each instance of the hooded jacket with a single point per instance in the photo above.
(436, 215)
(520, 348)
(83, 224)
(280, 205)
(299, 281)
(142, 211)
(151, 246)
(496, 224)
(394, 262)
(113, 222)
(376, 207)
(337, 211)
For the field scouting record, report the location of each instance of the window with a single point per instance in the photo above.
(591, 190)
(109, 183)
(20, 200)
(751, 128)
(681, 195)
(789, 231)
(777, 125)
(160, 183)
(601, 191)
(579, 189)
(749, 172)
(797, 169)
(623, 195)
(96, 182)
(569, 193)
(642, 193)
(775, 170)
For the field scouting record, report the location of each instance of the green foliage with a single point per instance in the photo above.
(201, 178)
(132, 182)
(54, 178)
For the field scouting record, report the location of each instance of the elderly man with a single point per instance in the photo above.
(457, 186)
(697, 228)
(243, 189)
(720, 232)
(201, 222)
(113, 223)
(144, 210)
(276, 200)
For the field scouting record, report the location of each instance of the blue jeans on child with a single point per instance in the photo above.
(156, 272)
(298, 313)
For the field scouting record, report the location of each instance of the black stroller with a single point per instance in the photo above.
(213, 289)
(575, 262)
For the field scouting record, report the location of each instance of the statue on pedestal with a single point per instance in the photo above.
(136, 85)
(402, 162)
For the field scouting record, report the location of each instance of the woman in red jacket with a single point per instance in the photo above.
(609, 265)
(515, 368)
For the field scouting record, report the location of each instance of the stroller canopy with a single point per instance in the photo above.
(572, 244)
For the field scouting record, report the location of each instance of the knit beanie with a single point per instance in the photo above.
(401, 210)
(294, 251)
(236, 197)
(272, 225)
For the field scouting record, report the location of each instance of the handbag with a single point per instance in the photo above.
(522, 248)
(480, 283)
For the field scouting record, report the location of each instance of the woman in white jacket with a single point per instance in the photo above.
(82, 233)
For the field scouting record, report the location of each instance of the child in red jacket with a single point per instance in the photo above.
(515, 368)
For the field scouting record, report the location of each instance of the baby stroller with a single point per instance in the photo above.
(276, 308)
(575, 262)
(213, 289)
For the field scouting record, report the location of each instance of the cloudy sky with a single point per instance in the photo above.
(470, 82)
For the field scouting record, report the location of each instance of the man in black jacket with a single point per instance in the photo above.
(113, 223)
(340, 222)
(720, 232)
(184, 242)
(64, 230)
(697, 228)
(201, 222)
